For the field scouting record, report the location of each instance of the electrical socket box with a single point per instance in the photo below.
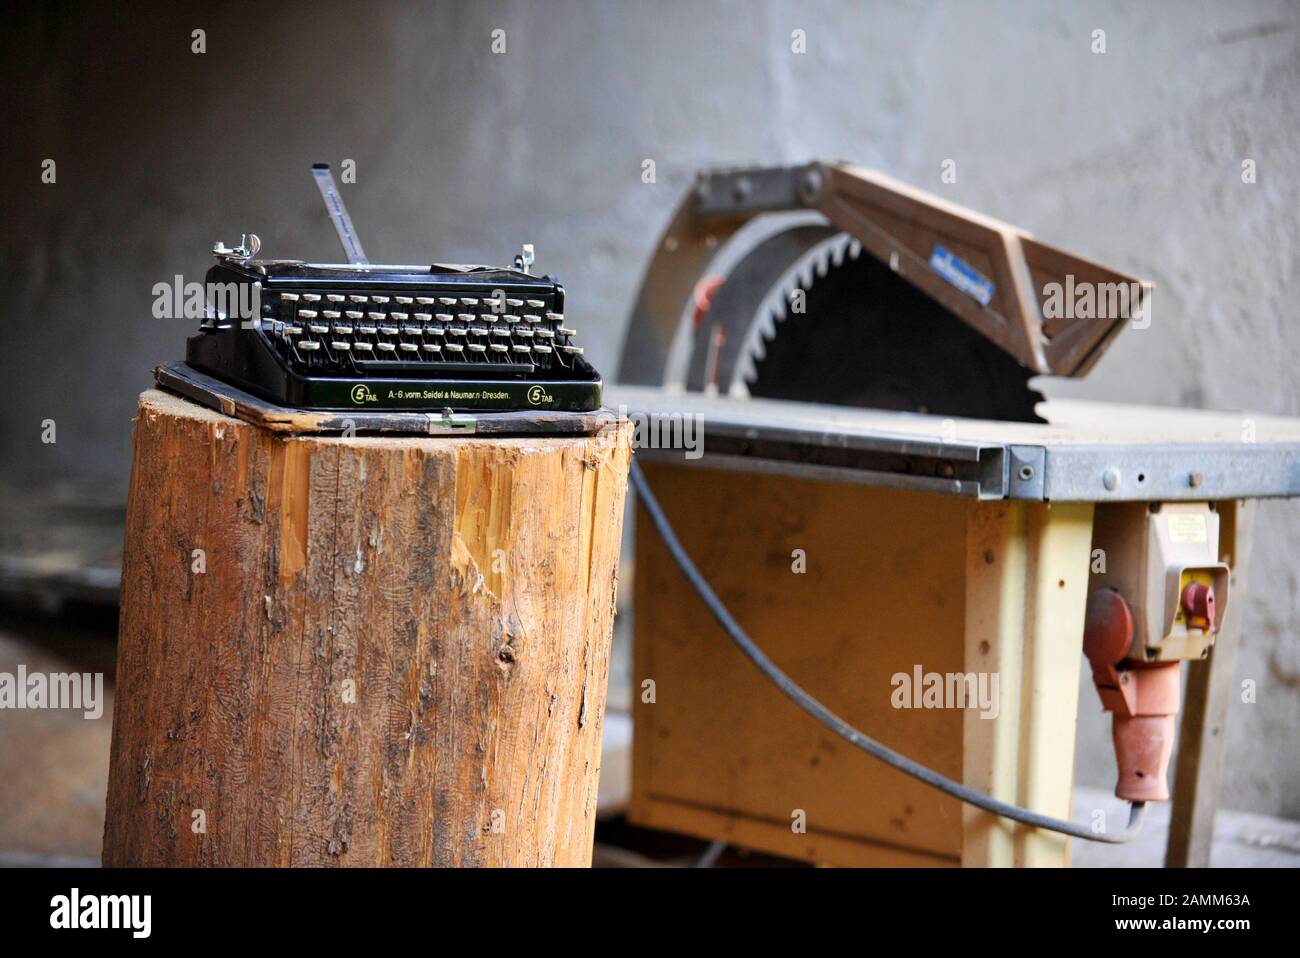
(1151, 553)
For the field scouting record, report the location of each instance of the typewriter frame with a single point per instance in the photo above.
(241, 352)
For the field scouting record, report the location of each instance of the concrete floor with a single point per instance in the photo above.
(1241, 839)
(54, 763)
(54, 771)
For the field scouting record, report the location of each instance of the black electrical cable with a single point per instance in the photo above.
(709, 857)
(836, 724)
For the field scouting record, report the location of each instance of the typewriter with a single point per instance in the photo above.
(361, 336)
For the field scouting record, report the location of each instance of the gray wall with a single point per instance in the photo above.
(1132, 157)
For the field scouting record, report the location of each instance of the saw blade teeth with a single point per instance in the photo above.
(778, 303)
(777, 306)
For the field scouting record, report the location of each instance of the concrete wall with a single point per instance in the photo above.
(1132, 156)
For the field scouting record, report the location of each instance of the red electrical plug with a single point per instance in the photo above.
(1143, 696)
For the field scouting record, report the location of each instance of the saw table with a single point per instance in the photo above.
(856, 545)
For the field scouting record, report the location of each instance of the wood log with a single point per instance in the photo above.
(361, 651)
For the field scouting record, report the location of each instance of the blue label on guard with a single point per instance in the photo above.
(962, 275)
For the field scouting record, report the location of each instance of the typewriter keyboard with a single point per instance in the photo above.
(408, 333)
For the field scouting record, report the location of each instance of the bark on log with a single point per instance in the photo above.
(385, 651)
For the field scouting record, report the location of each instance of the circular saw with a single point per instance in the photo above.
(835, 284)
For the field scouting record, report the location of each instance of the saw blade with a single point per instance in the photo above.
(841, 327)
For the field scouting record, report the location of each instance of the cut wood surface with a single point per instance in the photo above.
(361, 651)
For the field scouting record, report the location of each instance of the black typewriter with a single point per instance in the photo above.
(360, 336)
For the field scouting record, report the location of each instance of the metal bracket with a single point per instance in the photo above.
(1028, 472)
(765, 189)
(447, 423)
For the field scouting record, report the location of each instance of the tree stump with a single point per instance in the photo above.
(361, 651)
